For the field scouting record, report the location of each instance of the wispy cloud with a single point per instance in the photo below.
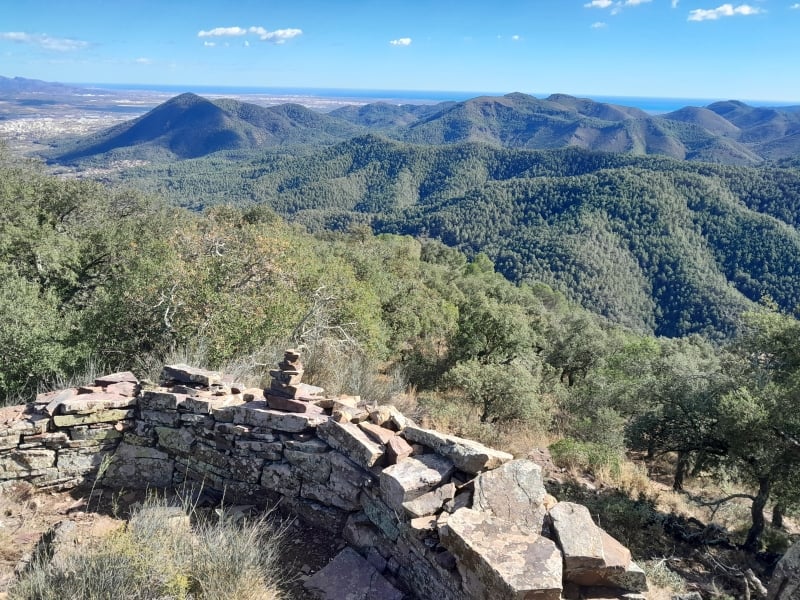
(515, 38)
(615, 6)
(795, 6)
(401, 42)
(599, 25)
(726, 10)
(44, 41)
(278, 36)
(675, 3)
(143, 61)
(208, 44)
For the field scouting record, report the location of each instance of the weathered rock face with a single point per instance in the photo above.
(785, 582)
(414, 477)
(499, 560)
(449, 519)
(514, 492)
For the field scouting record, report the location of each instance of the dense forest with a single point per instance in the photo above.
(660, 245)
(111, 278)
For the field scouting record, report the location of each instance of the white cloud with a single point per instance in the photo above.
(44, 41)
(515, 38)
(401, 42)
(726, 10)
(209, 44)
(279, 36)
(222, 31)
(795, 6)
(615, 6)
(246, 43)
(675, 3)
(599, 25)
(636, 2)
(598, 4)
(143, 61)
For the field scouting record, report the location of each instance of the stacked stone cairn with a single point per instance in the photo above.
(425, 514)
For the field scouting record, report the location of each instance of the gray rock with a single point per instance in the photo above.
(314, 467)
(514, 492)
(383, 517)
(351, 577)
(138, 467)
(412, 478)
(351, 441)
(785, 582)
(281, 478)
(121, 377)
(580, 539)
(467, 455)
(255, 414)
(185, 374)
(430, 503)
(499, 560)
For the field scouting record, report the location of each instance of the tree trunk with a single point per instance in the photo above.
(753, 540)
(680, 471)
(777, 515)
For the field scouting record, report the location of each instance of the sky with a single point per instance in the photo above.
(706, 49)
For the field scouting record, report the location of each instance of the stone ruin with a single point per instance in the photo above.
(425, 514)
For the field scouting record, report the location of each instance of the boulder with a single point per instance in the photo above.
(412, 478)
(514, 492)
(348, 577)
(580, 539)
(499, 560)
(785, 582)
(467, 455)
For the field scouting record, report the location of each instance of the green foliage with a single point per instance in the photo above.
(588, 457)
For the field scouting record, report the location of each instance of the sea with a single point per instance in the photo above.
(333, 97)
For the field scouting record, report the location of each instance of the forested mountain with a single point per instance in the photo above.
(661, 245)
(189, 126)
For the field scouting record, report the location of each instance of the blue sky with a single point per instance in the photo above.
(650, 48)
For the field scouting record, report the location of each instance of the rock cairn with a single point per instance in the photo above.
(286, 390)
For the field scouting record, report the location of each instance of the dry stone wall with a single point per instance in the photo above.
(425, 514)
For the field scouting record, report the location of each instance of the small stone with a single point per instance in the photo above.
(291, 405)
(397, 450)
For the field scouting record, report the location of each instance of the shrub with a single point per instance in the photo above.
(161, 555)
(591, 457)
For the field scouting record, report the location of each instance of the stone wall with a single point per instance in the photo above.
(433, 515)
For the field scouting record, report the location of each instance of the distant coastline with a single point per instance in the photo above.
(361, 96)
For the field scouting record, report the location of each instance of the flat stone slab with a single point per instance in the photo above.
(467, 455)
(83, 404)
(397, 450)
(514, 492)
(98, 416)
(579, 537)
(255, 414)
(377, 433)
(430, 503)
(291, 405)
(413, 477)
(499, 560)
(351, 441)
(186, 374)
(349, 576)
(121, 377)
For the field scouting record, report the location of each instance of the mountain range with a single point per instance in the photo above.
(189, 126)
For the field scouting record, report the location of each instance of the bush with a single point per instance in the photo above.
(590, 457)
(160, 555)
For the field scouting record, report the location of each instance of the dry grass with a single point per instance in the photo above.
(161, 555)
